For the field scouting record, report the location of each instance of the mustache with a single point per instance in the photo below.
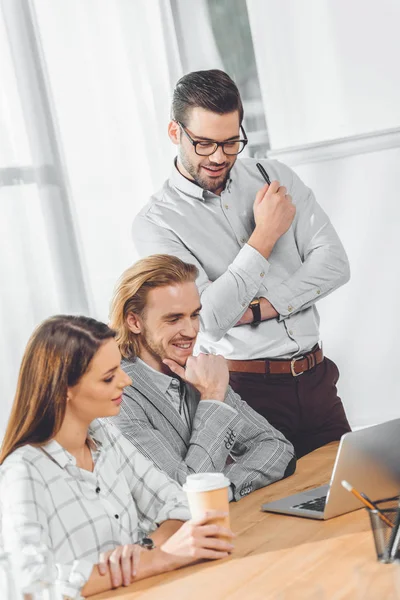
(213, 164)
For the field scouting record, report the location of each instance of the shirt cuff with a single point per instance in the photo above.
(286, 303)
(252, 263)
(178, 511)
(72, 578)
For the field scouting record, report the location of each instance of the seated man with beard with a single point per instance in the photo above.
(179, 410)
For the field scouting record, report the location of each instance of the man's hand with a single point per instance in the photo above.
(267, 312)
(273, 214)
(206, 372)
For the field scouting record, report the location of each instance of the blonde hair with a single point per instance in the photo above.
(131, 291)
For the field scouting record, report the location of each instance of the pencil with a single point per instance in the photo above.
(263, 173)
(366, 501)
(369, 500)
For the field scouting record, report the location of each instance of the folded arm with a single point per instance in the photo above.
(146, 563)
(225, 301)
(208, 450)
(325, 266)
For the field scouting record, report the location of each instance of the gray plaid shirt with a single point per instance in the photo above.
(78, 514)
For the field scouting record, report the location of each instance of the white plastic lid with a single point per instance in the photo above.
(205, 482)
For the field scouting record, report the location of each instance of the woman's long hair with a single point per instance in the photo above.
(57, 355)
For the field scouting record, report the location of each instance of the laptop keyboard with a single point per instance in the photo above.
(317, 504)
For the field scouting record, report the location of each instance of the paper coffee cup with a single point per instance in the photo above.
(208, 491)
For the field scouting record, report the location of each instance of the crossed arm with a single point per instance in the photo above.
(228, 432)
(323, 267)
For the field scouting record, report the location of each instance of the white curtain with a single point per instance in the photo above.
(39, 267)
(84, 105)
(111, 65)
(197, 45)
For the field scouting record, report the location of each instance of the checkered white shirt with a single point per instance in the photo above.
(78, 514)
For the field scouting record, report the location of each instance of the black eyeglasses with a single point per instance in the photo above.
(206, 148)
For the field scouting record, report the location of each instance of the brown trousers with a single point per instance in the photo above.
(306, 409)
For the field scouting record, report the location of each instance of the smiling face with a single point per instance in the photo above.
(98, 393)
(169, 326)
(209, 172)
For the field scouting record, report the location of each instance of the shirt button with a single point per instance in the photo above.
(116, 516)
(244, 304)
(318, 292)
(262, 274)
(243, 240)
(290, 308)
(226, 206)
(175, 383)
(97, 490)
(290, 332)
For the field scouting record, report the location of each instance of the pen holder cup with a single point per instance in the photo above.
(385, 537)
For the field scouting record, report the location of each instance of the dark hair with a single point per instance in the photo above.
(57, 355)
(212, 90)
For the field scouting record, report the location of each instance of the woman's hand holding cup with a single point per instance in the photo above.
(201, 538)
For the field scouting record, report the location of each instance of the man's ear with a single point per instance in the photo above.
(174, 132)
(134, 323)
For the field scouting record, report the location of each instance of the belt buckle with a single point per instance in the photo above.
(292, 363)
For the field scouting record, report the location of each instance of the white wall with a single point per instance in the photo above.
(329, 71)
(327, 68)
(359, 324)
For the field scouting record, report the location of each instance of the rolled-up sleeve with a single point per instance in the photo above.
(157, 497)
(25, 534)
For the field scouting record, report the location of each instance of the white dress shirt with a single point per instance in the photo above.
(306, 264)
(78, 514)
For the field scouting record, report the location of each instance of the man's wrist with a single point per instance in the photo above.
(256, 310)
(267, 310)
(261, 242)
(213, 394)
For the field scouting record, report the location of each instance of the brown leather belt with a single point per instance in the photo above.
(294, 366)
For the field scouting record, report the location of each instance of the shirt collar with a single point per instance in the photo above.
(61, 456)
(160, 380)
(189, 187)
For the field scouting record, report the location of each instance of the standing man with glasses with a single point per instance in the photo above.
(265, 255)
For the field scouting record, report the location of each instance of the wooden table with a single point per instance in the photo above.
(280, 557)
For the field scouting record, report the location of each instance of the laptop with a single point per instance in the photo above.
(369, 459)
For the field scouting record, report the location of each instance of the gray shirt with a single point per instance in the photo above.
(174, 389)
(307, 262)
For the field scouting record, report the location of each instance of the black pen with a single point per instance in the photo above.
(263, 173)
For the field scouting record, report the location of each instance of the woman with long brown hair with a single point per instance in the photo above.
(74, 486)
